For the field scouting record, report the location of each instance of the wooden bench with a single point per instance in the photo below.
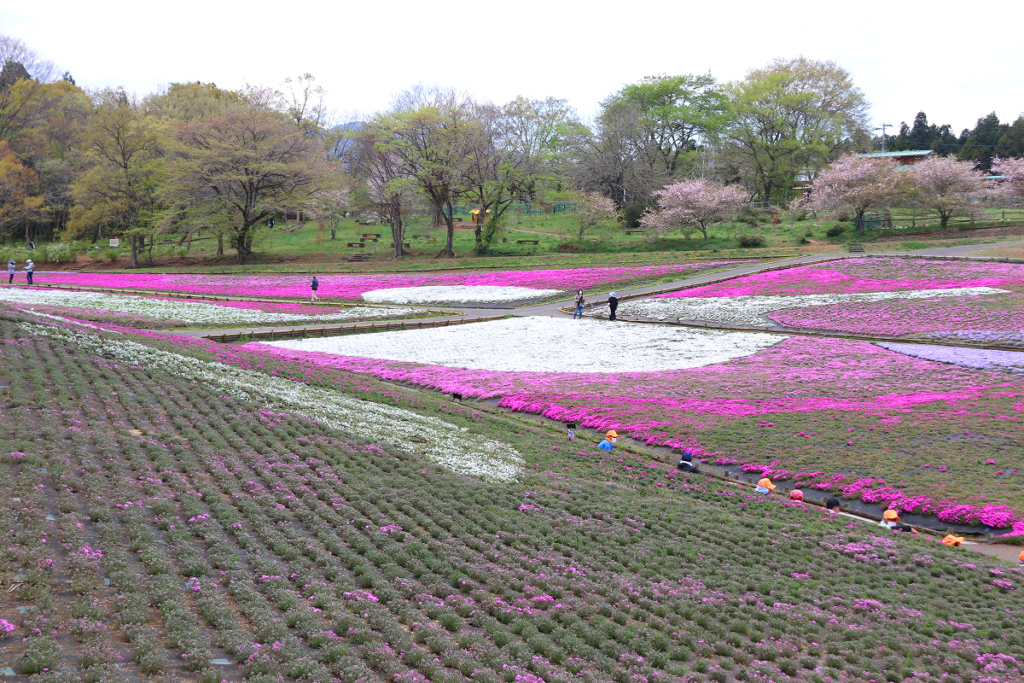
(855, 247)
(527, 241)
(358, 258)
(356, 244)
(405, 245)
(371, 234)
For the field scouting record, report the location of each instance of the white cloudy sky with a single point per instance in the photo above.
(943, 57)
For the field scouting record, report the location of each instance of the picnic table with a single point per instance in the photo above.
(527, 241)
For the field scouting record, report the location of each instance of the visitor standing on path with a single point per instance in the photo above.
(580, 300)
(613, 303)
(315, 285)
(11, 267)
(29, 269)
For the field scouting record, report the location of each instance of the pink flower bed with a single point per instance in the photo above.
(804, 381)
(998, 314)
(352, 286)
(857, 275)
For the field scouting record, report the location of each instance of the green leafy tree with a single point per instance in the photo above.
(672, 115)
(792, 116)
(980, 144)
(123, 171)
(242, 165)
(432, 132)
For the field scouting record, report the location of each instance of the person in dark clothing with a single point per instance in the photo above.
(11, 267)
(686, 463)
(30, 268)
(315, 285)
(832, 504)
(613, 303)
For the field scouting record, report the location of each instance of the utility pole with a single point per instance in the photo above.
(882, 128)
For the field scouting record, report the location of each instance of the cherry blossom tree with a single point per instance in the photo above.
(946, 186)
(1012, 185)
(857, 185)
(591, 208)
(694, 204)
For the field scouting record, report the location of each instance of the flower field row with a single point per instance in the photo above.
(210, 537)
(858, 275)
(824, 412)
(948, 301)
(167, 312)
(821, 311)
(353, 286)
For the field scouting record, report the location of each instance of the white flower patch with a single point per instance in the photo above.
(465, 294)
(541, 344)
(748, 310)
(188, 312)
(454, 448)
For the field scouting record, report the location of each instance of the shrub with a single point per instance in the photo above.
(835, 231)
(748, 241)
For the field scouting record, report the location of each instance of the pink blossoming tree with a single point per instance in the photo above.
(1012, 185)
(592, 208)
(946, 186)
(694, 205)
(856, 185)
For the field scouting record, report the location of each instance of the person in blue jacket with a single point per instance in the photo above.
(610, 438)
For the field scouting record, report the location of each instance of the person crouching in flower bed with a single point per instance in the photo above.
(832, 505)
(891, 520)
(686, 463)
(611, 437)
(952, 541)
(1020, 558)
(796, 496)
(765, 486)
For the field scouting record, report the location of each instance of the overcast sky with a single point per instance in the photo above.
(955, 64)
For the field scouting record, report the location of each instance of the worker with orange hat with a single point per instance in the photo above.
(611, 437)
(765, 486)
(952, 541)
(891, 520)
(1021, 558)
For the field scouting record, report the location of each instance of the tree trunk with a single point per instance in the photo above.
(133, 242)
(220, 244)
(449, 247)
(334, 234)
(437, 218)
(149, 252)
(943, 219)
(398, 235)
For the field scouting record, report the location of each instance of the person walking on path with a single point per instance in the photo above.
(580, 300)
(315, 285)
(613, 303)
(29, 269)
(11, 267)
